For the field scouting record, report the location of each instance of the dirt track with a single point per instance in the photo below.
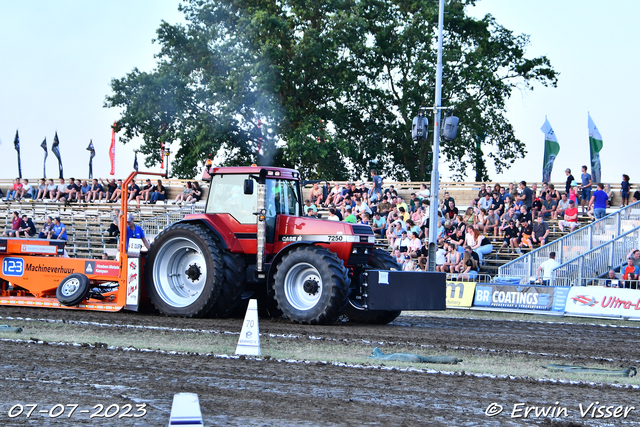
(249, 392)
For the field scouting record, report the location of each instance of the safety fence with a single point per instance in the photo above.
(155, 225)
(577, 243)
(613, 298)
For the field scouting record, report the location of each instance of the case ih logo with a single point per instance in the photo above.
(132, 264)
(133, 277)
(584, 300)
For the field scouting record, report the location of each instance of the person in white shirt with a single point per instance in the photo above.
(402, 242)
(332, 215)
(361, 208)
(424, 192)
(547, 267)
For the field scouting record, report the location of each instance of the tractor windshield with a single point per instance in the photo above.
(282, 197)
(226, 195)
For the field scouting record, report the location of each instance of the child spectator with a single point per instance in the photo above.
(624, 191)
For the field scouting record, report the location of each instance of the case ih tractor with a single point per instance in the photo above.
(253, 241)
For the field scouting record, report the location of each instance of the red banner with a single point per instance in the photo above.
(112, 150)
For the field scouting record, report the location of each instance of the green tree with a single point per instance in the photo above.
(327, 87)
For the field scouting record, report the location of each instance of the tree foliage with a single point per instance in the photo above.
(328, 87)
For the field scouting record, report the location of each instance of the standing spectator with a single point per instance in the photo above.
(317, 194)
(570, 179)
(15, 226)
(96, 192)
(42, 189)
(46, 228)
(58, 231)
(625, 189)
(15, 191)
(540, 231)
(526, 195)
(375, 193)
(196, 194)
(159, 193)
(52, 189)
(586, 187)
(27, 227)
(570, 217)
(631, 274)
(135, 231)
(547, 268)
(599, 202)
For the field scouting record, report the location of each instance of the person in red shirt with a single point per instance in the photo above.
(15, 226)
(570, 217)
(631, 274)
(15, 191)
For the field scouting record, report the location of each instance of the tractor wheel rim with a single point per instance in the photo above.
(180, 272)
(70, 287)
(303, 297)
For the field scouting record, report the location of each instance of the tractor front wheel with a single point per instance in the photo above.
(73, 289)
(311, 285)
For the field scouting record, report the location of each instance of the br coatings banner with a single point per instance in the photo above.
(525, 297)
(460, 294)
(601, 301)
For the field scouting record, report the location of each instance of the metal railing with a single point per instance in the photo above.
(598, 261)
(577, 243)
(155, 225)
(460, 277)
(618, 282)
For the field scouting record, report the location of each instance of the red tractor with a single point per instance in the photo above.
(252, 241)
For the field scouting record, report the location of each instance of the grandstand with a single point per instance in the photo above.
(88, 223)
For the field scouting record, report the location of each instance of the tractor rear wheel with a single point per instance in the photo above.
(185, 271)
(380, 260)
(73, 289)
(311, 285)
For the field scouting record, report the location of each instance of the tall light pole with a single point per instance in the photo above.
(435, 177)
(167, 151)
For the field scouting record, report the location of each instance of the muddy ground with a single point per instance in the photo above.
(276, 393)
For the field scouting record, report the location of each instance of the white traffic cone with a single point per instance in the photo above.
(185, 411)
(249, 342)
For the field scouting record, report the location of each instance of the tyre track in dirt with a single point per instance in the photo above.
(470, 335)
(239, 392)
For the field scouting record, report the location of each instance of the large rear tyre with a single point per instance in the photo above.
(73, 289)
(355, 312)
(311, 285)
(184, 271)
(233, 285)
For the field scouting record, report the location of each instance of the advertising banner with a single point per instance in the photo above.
(460, 294)
(601, 301)
(523, 297)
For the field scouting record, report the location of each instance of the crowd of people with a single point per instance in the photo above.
(98, 191)
(23, 227)
(518, 214)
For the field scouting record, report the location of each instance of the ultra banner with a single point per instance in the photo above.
(460, 294)
(543, 298)
(601, 301)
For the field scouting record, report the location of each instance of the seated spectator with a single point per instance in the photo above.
(510, 237)
(134, 192)
(58, 231)
(424, 192)
(52, 189)
(399, 257)
(15, 226)
(609, 191)
(403, 242)
(109, 188)
(469, 217)
(71, 191)
(441, 257)
(85, 191)
(391, 191)
(509, 215)
(158, 193)
(350, 217)
(27, 227)
(458, 238)
(481, 220)
(415, 245)
(46, 228)
(361, 208)
(612, 280)
(309, 212)
(15, 191)
(332, 215)
(492, 223)
(555, 194)
(469, 266)
(563, 205)
(404, 215)
(536, 207)
(308, 204)
(334, 196)
(365, 219)
(316, 194)
(379, 224)
(549, 206)
(394, 232)
(384, 207)
(96, 192)
(196, 194)
(481, 244)
(570, 217)
(486, 202)
(540, 231)
(524, 216)
(631, 274)
(42, 189)
(116, 194)
(114, 227)
(145, 192)
(526, 231)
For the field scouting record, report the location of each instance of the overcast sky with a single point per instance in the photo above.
(57, 59)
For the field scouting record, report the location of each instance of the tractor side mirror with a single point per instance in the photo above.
(248, 186)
